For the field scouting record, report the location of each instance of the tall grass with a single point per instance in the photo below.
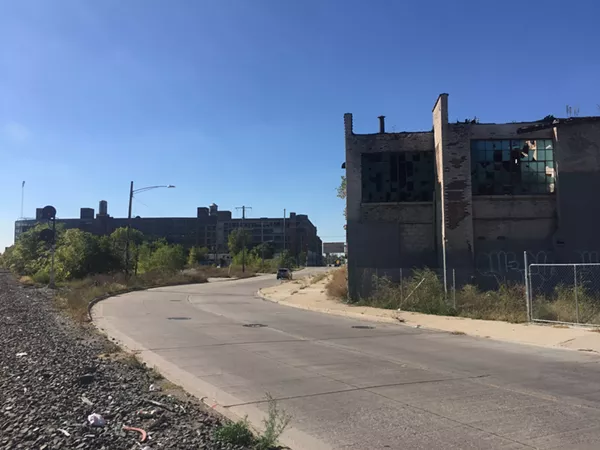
(560, 305)
(337, 286)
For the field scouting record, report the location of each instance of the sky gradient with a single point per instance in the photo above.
(241, 102)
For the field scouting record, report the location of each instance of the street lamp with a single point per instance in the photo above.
(131, 192)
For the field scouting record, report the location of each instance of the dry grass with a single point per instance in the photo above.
(424, 293)
(319, 277)
(337, 286)
(75, 296)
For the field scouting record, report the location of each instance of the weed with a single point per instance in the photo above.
(458, 333)
(236, 433)
(318, 277)
(595, 330)
(133, 361)
(337, 286)
(276, 422)
(560, 326)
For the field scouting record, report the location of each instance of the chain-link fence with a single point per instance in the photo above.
(565, 293)
(429, 291)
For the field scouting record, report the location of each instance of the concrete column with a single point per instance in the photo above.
(453, 167)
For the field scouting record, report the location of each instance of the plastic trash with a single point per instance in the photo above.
(21, 354)
(86, 400)
(154, 388)
(65, 432)
(96, 420)
(143, 434)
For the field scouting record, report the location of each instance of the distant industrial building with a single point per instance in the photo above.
(210, 228)
(334, 247)
(472, 196)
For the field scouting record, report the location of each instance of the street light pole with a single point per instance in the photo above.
(128, 228)
(131, 192)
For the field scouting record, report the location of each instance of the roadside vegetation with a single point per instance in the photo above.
(423, 292)
(240, 434)
(261, 258)
(87, 266)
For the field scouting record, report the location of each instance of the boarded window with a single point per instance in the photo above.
(397, 177)
(512, 167)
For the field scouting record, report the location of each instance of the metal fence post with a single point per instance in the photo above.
(575, 290)
(401, 288)
(454, 287)
(528, 296)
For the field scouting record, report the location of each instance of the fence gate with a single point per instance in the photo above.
(564, 293)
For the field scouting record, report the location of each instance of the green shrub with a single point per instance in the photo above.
(236, 433)
(41, 277)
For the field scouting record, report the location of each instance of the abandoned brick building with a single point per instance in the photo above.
(472, 196)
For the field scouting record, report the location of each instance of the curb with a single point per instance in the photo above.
(95, 300)
(348, 315)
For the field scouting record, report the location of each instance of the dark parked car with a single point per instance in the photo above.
(284, 274)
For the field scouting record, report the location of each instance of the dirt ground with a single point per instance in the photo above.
(305, 294)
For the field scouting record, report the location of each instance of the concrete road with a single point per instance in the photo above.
(358, 385)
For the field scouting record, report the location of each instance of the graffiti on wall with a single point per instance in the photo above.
(510, 266)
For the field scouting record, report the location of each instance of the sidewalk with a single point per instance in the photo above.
(304, 295)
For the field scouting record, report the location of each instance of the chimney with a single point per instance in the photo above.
(381, 124)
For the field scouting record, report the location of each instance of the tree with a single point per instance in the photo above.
(341, 191)
(196, 255)
(264, 250)
(286, 259)
(161, 256)
(79, 253)
(29, 254)
(237, 240)
(118, 241)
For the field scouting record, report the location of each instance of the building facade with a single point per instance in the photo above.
(210, 228)
(472, 197)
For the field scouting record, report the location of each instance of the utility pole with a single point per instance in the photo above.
(262, 241)
(244, 208)
(128, 228)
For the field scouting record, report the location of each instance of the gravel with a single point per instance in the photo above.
(55, 373)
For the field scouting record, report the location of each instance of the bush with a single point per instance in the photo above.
(236, 433)
(41, 277)
(337, 286)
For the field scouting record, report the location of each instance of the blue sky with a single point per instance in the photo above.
(241, 102)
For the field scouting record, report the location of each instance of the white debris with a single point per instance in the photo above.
(96, 420)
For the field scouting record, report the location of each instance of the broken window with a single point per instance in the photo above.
(512, 167)
(389, 177)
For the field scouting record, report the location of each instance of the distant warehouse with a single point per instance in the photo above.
(210, 228)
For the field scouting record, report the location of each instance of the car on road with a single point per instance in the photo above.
(284, 274)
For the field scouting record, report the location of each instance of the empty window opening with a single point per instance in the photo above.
(512, 167)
